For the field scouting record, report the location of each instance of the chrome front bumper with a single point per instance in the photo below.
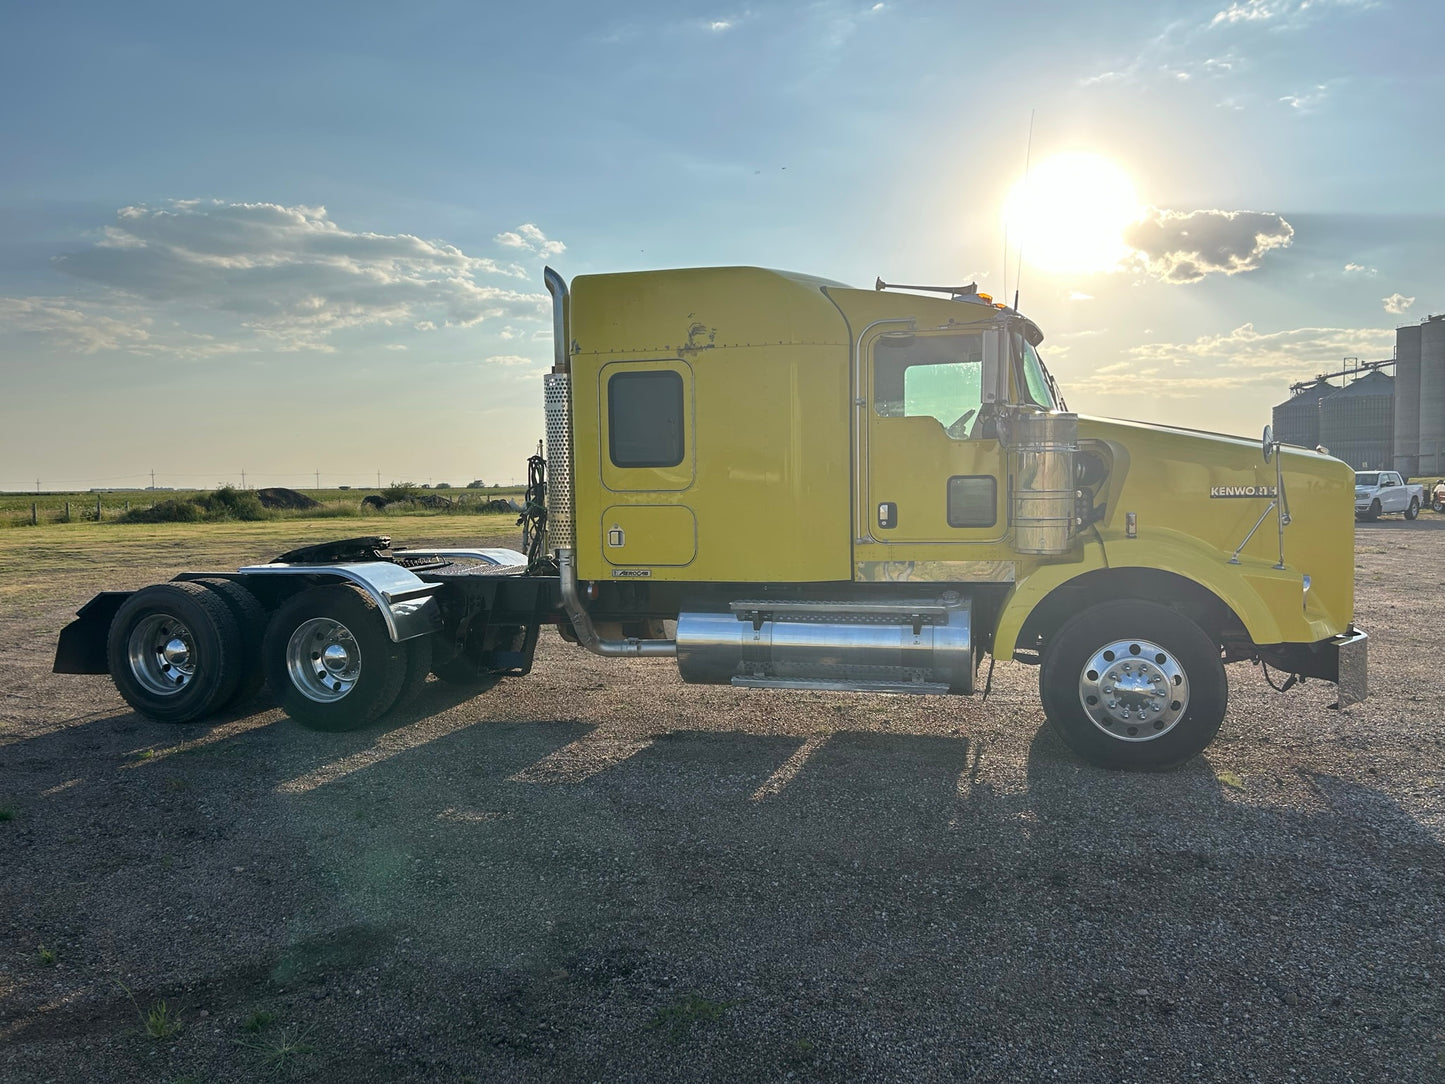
(1341, 659)
(1351, 652)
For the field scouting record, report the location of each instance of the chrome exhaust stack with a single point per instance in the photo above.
(561, 524)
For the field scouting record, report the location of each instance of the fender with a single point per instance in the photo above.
(1259, 595)
(404, 599)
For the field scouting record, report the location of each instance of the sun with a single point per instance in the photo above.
(1068, 215)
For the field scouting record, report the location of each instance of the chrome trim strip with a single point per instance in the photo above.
(936, 571)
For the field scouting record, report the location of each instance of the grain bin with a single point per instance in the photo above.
(1407, 401)
(1357, 422)
(1297, 419)
(1432, 396)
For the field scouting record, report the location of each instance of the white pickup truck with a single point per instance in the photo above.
(1378, 492)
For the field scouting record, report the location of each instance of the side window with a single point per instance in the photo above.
(932, 376)
(645, 419)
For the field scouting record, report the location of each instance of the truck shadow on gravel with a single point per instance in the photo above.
(530, 900)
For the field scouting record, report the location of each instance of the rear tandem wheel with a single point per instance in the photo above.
(330, 661)
(175, 652)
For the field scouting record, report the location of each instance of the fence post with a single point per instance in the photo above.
(34, 514)
(67, 511)
(97, 509)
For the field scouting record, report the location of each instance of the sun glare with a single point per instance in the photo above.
(1068, 215)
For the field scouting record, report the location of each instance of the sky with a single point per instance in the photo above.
(302, 241)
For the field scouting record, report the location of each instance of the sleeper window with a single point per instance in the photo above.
(644, 419)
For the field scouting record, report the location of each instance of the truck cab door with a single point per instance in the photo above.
(931, 474)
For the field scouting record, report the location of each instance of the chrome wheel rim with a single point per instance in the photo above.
(1133, 690)
(323, 660)
(162, 654)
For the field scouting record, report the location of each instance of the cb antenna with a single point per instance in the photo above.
(1019, 273)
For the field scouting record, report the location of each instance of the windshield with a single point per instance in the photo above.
(1037, 385)
(1371, 479)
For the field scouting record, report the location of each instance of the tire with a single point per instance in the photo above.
(251, 620)
(1163, 653)
(1439, 506)
(175, 652)
(329, 660)
(1413, 510)
(1374, 512)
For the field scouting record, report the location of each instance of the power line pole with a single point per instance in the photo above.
(153, 478)
(243, 477)
(318, 479)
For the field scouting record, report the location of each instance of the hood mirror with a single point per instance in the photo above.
(1267, 443)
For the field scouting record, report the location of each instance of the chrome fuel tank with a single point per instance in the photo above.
(883, 645)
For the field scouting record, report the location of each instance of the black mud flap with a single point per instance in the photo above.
(1341, 659)
(81, 649)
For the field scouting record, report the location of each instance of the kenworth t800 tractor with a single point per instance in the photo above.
(786, 483)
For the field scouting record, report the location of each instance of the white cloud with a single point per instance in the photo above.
(1284, 14)
(509, 359)
(1306, 101)
(1187, 49)
(718, 26)
(288, 276)
(91, 326)
(529, 238)
(1237, 359)
(1253, 11)
(1079, 295)
(1184, 246)
(1360, 269)
(1397, 303)
(71, 326)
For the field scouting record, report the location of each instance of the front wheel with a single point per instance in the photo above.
(1133, 684)
(1413, 510)
(330, 661)
(1374, 512)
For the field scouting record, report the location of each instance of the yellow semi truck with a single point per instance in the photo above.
(784, 482)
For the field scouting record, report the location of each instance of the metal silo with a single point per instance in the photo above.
(1407, 400)
(1297, 419)
(1357, 423)
(1432, 396)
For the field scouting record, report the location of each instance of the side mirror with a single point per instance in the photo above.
(1267, 443)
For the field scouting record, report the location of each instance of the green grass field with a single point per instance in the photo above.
(17, 509)
(88, 558)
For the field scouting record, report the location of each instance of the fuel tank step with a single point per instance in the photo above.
(882, 645)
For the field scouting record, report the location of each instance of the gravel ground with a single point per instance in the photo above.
(597, 872)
